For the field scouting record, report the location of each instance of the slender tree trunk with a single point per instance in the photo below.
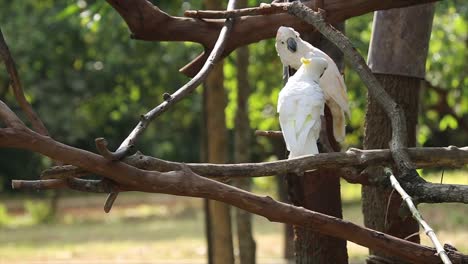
(319, 191)
(219, 213)
(242, 138)
(397, 55)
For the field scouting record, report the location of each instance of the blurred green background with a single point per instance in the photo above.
(86, 78)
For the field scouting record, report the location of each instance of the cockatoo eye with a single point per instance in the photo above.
(292, 44)
(282, 42)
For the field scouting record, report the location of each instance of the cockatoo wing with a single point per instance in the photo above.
(300, 106)
(332, 81)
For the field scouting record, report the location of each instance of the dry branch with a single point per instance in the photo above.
(418, 217)
(186, 183)
(148, 22)
(5, 55)
(352, 162)
(422, 158)
(170, 100)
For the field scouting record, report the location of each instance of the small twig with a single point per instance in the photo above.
(101, 146)
(93, 186)
(418, 217)
(5, 55)
(388, 207)
(269, 134)
(412, 235)
(39, 184)
(110, 201)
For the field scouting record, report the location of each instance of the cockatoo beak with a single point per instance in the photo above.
(292, 44)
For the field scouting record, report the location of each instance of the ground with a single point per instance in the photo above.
(153, 228)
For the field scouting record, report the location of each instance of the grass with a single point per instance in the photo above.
(152, 228)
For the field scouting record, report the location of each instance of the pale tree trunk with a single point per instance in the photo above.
(216, 135)
(397, 55)
(319, 191)
(242, 139)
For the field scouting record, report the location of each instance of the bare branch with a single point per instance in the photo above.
(38, 185)
(269, 134)
(422, 157)
(94, 186)
(148, 22)
(9, 117)
(5, 55)
(170, 100)
(425, 192)
(418, 217)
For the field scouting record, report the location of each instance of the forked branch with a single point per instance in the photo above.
(418, 217)
(148, 22)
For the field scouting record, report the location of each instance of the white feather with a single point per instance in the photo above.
(300, 105)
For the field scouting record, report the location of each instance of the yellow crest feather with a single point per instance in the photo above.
(305, 61)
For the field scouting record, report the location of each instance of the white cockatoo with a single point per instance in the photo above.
(300, 105)
(291, 48)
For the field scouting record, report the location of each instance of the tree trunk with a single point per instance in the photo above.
(219, 213)
(397, 55)
(242, 138)
(320, 191)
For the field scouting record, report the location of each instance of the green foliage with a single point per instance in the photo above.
(5, 218)
(446, 69)
(39, 212)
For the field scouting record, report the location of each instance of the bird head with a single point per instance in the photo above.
(287, 40)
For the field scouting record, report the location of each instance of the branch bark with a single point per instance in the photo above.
(148, 22)
(422, 158)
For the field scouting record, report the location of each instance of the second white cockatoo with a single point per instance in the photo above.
(291, 48)
(300, 105)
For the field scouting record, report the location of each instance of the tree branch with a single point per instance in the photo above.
(170, 100)
(418, 217)
(5, 55)
(422, 191)
(148, 22)
(186, 183)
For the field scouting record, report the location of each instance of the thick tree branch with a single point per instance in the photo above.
(148, 22)
(418, 217)
(5, 55)
(352, 162)
(186, 183)
(422, 157)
